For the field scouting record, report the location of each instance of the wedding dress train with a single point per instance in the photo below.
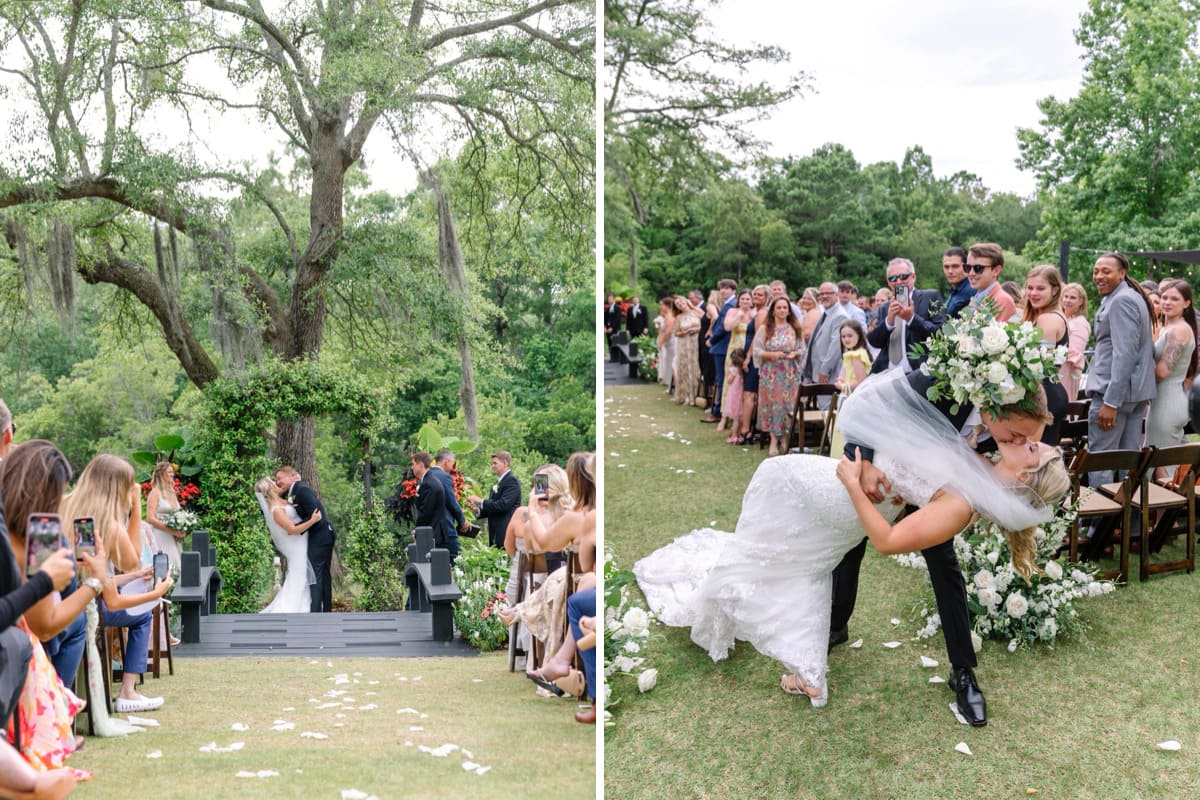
(294, 596)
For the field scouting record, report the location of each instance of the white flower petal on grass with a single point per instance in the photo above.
(313, 735)
(262, 773)
(407, 711)
(290, 708)
(355, 794)
(239, 727)
(857, 644)
(142, 722)
(928, 662)
(466, 753)
(937, 679)
(213, 747)
(476, 680)
(154, 754)
(1168, 746)
(962, 748)
(415, 728)
(894, 621)
(283, 725)
(958, 714)
(891, 645)
(647, 680)
(470, 766)
(368, 707)
(439, 752)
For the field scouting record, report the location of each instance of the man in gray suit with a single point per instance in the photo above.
(825, 347)
(1120, 379)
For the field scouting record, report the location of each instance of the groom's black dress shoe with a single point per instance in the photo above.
(840, 636)
(970, 699)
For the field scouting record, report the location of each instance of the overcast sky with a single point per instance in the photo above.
(957, 77)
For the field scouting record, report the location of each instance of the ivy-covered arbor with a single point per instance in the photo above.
(239, 416)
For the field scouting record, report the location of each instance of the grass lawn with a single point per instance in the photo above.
(1077, 721)
(533, 746)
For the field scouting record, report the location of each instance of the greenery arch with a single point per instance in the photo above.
(238, 412)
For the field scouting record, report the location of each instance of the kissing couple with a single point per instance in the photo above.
(304, 535)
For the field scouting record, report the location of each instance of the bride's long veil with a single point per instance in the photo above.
(887, 415)
(273, 527)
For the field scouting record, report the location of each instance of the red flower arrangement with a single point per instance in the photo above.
(185, 492)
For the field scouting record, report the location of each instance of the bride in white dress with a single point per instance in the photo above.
(291, 540)
(770, 582)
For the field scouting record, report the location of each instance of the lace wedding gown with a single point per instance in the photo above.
(294, 596)
(770, 582)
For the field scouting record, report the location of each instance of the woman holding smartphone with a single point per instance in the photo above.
(108, 492)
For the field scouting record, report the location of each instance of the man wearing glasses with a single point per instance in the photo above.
(984, 262)
(954, 263)
(825, 347)
(911, 317)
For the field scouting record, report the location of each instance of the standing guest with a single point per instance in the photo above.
(706, 365)
(954, 262)
(778, 288)
(443, 465)
(1121, 376)
(687, 343)
(160, 502)
(1156, 318)
(718, 343)
(825, 346)
(1043, 307)
(1013, 289)
(848, 298)
(734, 394)
(321, 537)
(985, 260)
(664, 323)
(761, 295)
(431, 505)
(810, 312)
(1079, 331)
(856, 361)
(778, 347)
(612, 317)
(1175, 363)
(502, 501)
(911, 317)
(737, 322)
(636, 318)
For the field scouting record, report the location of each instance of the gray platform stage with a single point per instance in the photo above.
(400, 634)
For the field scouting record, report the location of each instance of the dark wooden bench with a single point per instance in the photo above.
(199, 584)
(625, 351)
(430, 587)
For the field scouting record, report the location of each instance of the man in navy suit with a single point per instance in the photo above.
(431, 504)
(443, 463)
(321, 537)
(901, 324)
(502, 501)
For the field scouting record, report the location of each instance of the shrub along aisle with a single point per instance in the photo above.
(1079, 720)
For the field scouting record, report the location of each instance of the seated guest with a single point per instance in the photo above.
(32, 479)
(108, 492)
(550, 506)
(18, 777)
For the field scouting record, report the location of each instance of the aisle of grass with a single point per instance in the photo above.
(474, 703)
(1078, 721)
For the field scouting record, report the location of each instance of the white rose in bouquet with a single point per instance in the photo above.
(994, 339)
(1016, 605)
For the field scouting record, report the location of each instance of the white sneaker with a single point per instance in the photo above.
(140, 704)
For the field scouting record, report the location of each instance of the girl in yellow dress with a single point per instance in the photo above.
(856, 361)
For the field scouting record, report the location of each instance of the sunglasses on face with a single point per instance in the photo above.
(903, 276)
(977, 268)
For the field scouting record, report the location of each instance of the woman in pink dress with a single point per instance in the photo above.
(1079, 330)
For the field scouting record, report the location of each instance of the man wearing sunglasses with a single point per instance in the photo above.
(911, 317)
(954, 263)
(984, 262)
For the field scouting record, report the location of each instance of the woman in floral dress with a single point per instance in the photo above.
(687, 351)
(778, 347)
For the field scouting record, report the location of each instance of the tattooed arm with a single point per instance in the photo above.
(1172, 352)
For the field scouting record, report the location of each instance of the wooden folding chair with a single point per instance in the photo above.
(1170, 502)
(1114, 508)
(159, 632)
(807, 421)
(1074, 432)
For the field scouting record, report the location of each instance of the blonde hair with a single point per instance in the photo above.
(159, 479)
(1083, 298)
(1050, 481)
(103, 493)
(581, 478)
(558, 489)
(263, 487)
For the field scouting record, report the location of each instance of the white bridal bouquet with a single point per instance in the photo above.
(1003, 604)
(627, 627)
(182, 520)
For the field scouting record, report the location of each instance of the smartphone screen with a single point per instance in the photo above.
(541, 485)
(43, 538)
(903, 296)
(161, 566)
(85, 537)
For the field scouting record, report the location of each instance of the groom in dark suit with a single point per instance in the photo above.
(321, 536)
(949, 587)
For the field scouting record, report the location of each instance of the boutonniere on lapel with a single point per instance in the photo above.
(290, 495)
